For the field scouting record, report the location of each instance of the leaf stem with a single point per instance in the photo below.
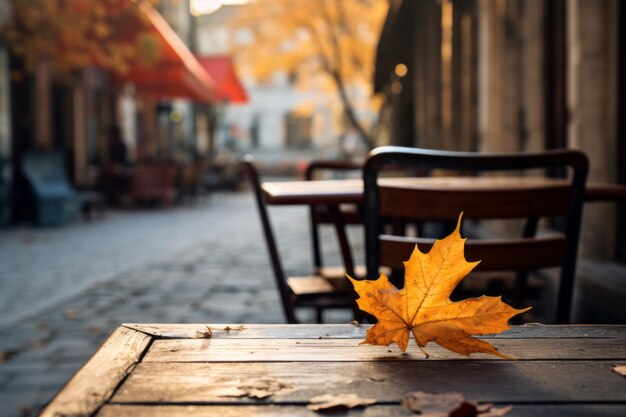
(424, 352)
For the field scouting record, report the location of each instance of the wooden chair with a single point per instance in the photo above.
(521, 254)
(312, 291)
(324, 215)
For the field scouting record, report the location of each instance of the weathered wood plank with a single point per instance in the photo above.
(581, 410)
(95, 382)
(348, 331)
(341, 350)
(485, 381)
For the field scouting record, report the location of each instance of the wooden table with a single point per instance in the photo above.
(351, 191)
(172, 370)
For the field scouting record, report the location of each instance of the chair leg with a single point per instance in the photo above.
(319, 313)
(520, 290)
(344, 245)
(315, 243)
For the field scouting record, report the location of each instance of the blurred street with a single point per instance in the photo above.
(66, 289)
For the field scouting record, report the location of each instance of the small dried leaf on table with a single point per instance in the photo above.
(208, 333)
(329, 403)
(449, 404)
(620, 369)
(232, 328)
(259, 389)
(496, 412)
(434, 404)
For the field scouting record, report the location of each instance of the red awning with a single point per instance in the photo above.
(222, 70)
(173, 71)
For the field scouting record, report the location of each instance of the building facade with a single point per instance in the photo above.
(513, 76)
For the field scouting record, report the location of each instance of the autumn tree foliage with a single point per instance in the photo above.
(73, 34)
(330, 37)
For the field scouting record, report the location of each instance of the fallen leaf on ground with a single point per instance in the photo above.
(424, 308)
(7, 354)
(620, 369)
(94, 329)
(449, 404)
(260, 389)
(25, 410)
(329, 403)
(37, 343)
(42, 326)
(71, 314)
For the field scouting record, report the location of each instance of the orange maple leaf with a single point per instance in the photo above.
(424, 308)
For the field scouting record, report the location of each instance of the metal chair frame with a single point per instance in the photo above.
(289, 301)
(481, 162)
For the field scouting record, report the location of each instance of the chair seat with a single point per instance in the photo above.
(318, 292)
(309, 285)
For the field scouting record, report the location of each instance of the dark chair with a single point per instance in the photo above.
(523, 254)
(312, 291)
(338, 216)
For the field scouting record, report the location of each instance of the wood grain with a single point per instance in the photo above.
(480, 197)
(529, 382)
(348, 331)
(494, 254)
(584, 410)
(343, 350)
(95, 382)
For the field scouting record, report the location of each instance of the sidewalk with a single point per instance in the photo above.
(64, 290)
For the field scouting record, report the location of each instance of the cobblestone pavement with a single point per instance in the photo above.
(64, 290)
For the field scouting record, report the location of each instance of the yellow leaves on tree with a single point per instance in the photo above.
(71, 34)
(423, 307)
(308, 38)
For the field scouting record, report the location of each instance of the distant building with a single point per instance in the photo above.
(72, 114)
(283, 120)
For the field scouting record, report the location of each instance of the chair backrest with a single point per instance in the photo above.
(444, 199)
(46, 174)
(279, 275)
(314, 167)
